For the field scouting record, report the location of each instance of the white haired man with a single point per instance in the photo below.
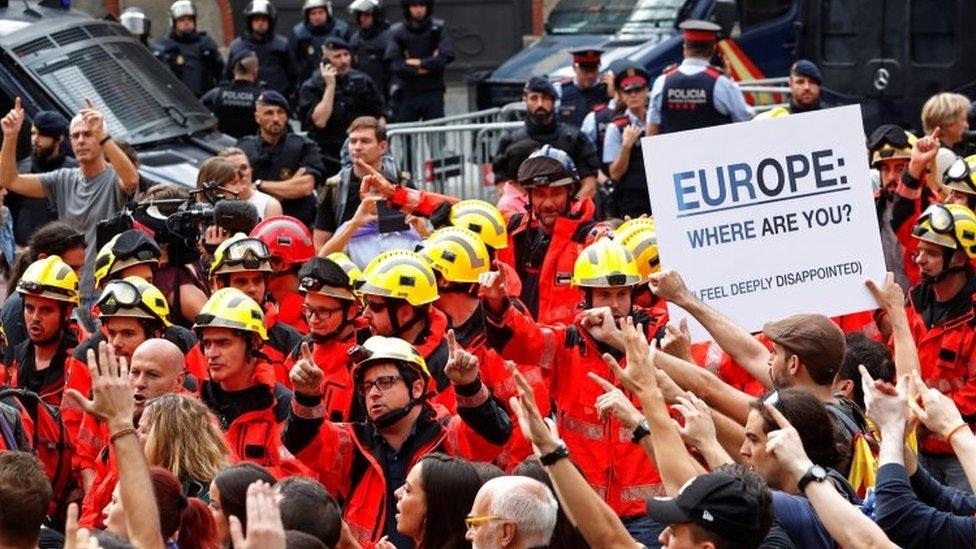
(512, 512)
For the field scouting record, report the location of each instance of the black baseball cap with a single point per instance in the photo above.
(717, 502)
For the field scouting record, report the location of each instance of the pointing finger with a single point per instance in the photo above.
(600, 381)
(18, 106)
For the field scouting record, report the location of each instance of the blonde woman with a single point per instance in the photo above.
(949, 113)
(180, 434)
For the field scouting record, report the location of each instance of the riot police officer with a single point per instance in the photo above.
(418, 52)
(233, 103)
(309, 35)
(584, 92)
(370, 41)
(695, 94)
(276, 65)
(136, 21)
(285, 165)
(330, 100)
(191, 55)
(622, 146)
(541, 125)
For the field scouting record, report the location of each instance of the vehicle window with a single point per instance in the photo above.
(640, 18)
(933, 31)
(755, 12)
(141, 102)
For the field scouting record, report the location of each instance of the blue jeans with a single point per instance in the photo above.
(645, 530)
(946, 469)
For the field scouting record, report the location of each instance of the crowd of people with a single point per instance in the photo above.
(308, 351)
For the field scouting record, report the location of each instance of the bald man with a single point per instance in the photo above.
(157, 369)
(522, 514)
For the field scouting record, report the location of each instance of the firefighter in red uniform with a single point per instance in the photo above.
(617, 469)
(543, 245)
(943, 322)
(399, 289)
(459, 258)
(132, 311)
(290, 244)
(365, 463)
(244, 263)
(43, 363)
(332, 310)
(241, 389)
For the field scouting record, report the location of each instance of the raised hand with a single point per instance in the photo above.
(600, 324)
(493, 289)
(882, 403)
(924, 152)
(669, 286)
(785, 446)
(677, 341)
(374, 180)
(639, 375)
(112, 399)
(93, 119)
(630, 135)
(13, 121)
(462, 366)
(614, 401)
(699, 428)
(938, 412)
(306, 377)
(264, 527)
(533, 427)
(329, 74)
(890, 296)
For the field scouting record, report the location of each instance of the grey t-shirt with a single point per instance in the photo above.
(83, 203)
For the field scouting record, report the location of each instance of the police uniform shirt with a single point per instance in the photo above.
(280, 161)
(613, 141)
(193, 58)
(728, 98)
(575, 102)
(233, 104)
(356, 95)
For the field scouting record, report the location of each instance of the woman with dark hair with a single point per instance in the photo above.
(56, 238)
(565, 535)
(434, 501)
(185, 522)
(228, 495)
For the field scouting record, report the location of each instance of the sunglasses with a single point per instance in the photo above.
(383, 383)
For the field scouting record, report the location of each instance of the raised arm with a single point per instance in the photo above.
(124, 168)
(25, 184)
(738, 343)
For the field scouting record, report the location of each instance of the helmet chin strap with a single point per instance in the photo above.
(946, 271)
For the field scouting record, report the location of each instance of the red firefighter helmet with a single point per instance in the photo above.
(288, 240)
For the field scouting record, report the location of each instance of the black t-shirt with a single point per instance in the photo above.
(325, 218)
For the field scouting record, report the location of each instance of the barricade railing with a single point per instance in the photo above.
(477, 117)
(452, 159)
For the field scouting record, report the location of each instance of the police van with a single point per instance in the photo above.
(55, 58)
(887, 55)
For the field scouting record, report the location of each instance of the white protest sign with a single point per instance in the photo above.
(768, 218)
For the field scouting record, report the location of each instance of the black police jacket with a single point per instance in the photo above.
(561, 136)
(368, 47)
(306, 43)
(233, 105)
(280, 161)
(431, 44)
(576, 102)
(193, 58)
(356, 95)
(276, 65)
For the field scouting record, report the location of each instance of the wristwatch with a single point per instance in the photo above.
(815, 473)
(561, 452)
(641, 431)
(258, 183)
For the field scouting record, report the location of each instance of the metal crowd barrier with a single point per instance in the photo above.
(452, 159)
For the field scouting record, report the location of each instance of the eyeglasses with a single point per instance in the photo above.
(383, 383)
(320, 312)
(376, 306)
(472, 521)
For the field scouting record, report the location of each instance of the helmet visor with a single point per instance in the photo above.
(118, 295)
(249, 252)
(32, 287)
(958, 171)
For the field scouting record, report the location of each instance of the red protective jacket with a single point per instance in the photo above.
(339, 392)
(345, 457)
(290, 312)
(614, 466)
(946, 352)
(254, 435)
(558, 301)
